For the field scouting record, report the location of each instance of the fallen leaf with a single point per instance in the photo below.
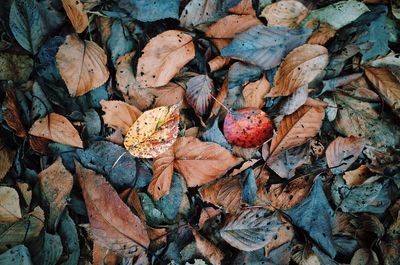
(244, 7)
(57, 128)
(82, 65)
(15, 67)
(254, 93)
(247, 127)
(387, 85)
(170, 94)
(163, 169)
(251, 228)
(223, 31)
(294, 101)
(55, 184)
(288, 13)
(199, 92)
(217, 63)
(321, 34)
(149, 11)
(10, 210)
(76, 14)
(11, 114)
(343, 152)
(295, 129)
(207, 214)
(213, 254)
(153, 132)
(300, 67)
(26, 192)
(364, 256)
(16, 255)
(119, 115)
(163, 56)
(7, 156)
(357, 176)
(197, 12)
(102, 255)
(113, 225)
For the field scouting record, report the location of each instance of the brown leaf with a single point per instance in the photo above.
(387, 86)
(342, 152)
(357, 176)
(285, 235)
(213, 254)
(82, 65)
(299, 68)
(294, 101)
(10, 210)
(286, 13)
(295, 129)
(254, 93)
(39, 144)
(113, 225)
(7, 156)
(102, 255)
(118, 114)
(201, 162)
(12, 114)
(57, 128)
(198, 12)
(116, 137)
(26, 192)
(364, 256)
(207, 214)
(198, 93)
(219, 99)
(163, 57)
(322, 34)
(170, 94)
(223, 31)
(55, 184)
(76, 14)
(218, 62)
(244, 7)
(163, 169)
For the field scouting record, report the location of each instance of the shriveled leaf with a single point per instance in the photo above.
(82, 65)
(113, 225)
(387, 85)
(343, 152)
(316, 217)
(18, 255)
(197, 12)
(163, 169)
(153, 132)
(300, 67)
(58, 129)
(211, 252)
(119, 115)
(55, 186)
(356, 176)
(265, 46)
(247, 127)
(251, 228)
(218, 63)
(199, 92)
(15, 67)
(163, 57)
(201, 162)
(287, 13)
(339, 14)
(76, 14)
(222, 32)
(295, 129)
(10, 210)
(255, 92)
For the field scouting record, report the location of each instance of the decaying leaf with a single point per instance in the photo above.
(300, 67)
(119, 115)
(157, 66)
(288, 13)
(153, 132)
(76, 14)
(82, 65)
(10, 211)
(113, 225)
(57, 128)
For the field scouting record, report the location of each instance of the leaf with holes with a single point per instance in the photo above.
(153, 132)
(198, 93)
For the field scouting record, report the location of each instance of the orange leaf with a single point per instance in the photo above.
(300, 67)
(244, 7)
(113, 224)
(163, 169)
(82, 65)
(163, 57)
(118, 114)
(213, 254)
(170, 94)
(57, 128)
(322, 34)
(286, 13)
(296, 128)
(255, 92)
(76, 14)
(218, 63)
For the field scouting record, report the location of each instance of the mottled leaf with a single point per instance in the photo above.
(15, 67)
(198, 93)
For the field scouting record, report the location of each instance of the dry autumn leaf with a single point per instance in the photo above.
(113, 225)
(163, 57)
(288, 13)
(244, 7)
(387, 85)
(153, 132)
(119, 115)
(254, 93)
(299, 68)
(7, 156)
(10, 210)
(199, 92)
(343, 152)
(322, 34)
(76, 14)
(82, 65)
(163, 169)
(213, 254)
(12, 114)
(295, 129)
(56, 128)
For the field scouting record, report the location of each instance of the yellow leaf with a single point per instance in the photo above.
(82, 65)
(153, 132)
(76, 14)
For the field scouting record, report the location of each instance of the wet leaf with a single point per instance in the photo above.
(198, 93)
(287, 13)
(153, 132)
(10, 210)
(76, 14)
(119, 115)
(58, 129)
(157, 66)
(82, 65)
